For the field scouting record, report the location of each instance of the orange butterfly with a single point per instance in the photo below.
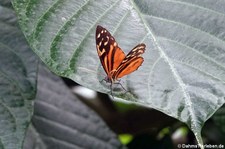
(114, 61)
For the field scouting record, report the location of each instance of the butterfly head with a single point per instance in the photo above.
(110, 77)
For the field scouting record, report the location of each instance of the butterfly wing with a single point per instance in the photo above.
(131, 62)
(110, 54)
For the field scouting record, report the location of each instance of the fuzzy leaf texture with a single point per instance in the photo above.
(183, 72)
(62, 121)
(18, 67)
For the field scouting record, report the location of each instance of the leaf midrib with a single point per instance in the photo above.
(174, 72)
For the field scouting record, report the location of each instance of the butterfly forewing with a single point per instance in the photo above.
(110, 54)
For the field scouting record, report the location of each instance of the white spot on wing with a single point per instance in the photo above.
(98, 35)
(105, 43)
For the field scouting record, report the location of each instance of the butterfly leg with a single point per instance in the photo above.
(120, 85)
(111, 90)
(103, 80)
(111, 85)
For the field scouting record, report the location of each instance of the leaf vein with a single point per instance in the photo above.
(195, 5)
(194, 50)
(53, 107)
(150, 74)
(187, 25)
(201, 71)
(58, 35)
(73, 60)
(175, 73)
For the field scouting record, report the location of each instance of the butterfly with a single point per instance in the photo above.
(114, 61)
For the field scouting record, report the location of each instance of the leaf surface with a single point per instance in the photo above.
(62, 121)
(17, 80)
(183, 72)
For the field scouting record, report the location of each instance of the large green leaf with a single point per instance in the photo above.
(62, 121)
(18, 68)
(17, 80)
(183, 71)
(219, 118)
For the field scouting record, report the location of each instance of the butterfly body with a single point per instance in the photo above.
(114, 61)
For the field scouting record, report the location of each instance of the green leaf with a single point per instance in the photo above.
(33, 140)
(183, 72)
(219, 118)
(17, 80)
(18, 68)
(125, 138)
(62, 121)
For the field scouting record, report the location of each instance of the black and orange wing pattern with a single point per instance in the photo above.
(114, 61)
(131, 62)
(108, 50)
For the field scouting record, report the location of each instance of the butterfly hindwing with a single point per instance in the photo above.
(131, 62)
